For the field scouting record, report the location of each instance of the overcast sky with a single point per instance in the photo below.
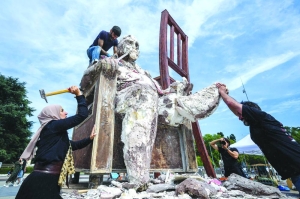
(43, 43)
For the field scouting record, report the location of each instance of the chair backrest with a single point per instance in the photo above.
(181, 64)
(181, 67)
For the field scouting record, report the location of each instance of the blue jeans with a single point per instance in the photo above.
(296, 182)
(93, 53)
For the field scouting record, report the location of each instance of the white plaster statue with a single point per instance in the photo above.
(140, 99)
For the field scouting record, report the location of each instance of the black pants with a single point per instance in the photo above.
(39, 186)
(234, 169)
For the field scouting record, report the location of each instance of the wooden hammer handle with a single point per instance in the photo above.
(57, 92)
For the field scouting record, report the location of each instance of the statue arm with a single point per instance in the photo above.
(200, 104)
(108, 65)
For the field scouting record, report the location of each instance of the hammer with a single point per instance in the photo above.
(44, 95)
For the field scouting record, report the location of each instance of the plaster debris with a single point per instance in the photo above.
(160, 187)
(111, 191)
(236, 182)
(185, 187)
(195, 188)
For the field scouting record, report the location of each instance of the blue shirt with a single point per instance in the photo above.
(108, 42)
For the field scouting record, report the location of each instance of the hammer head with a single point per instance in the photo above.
(43, 95)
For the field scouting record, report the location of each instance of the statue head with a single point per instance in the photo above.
(129, 43)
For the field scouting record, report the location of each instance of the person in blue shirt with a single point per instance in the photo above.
(278, 146)
(102, 43)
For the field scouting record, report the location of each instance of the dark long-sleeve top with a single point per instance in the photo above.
(54, 142)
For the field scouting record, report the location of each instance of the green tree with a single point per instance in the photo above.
(232, 137)
(295, 132)
(220, 134)
(14, 126)
(252, 159)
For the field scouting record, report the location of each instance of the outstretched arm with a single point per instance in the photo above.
(214, 145)
(62, 125)
(84, 142)
(232, 104)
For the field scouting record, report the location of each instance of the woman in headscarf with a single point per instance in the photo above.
(53, 145)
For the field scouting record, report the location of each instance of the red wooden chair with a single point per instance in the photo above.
(181, 68)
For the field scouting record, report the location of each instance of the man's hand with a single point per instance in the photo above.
(74, 90)
(232, 104)
(222, 88)
(93, 134)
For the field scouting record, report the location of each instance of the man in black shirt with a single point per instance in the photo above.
(229, 156)
(278, 146)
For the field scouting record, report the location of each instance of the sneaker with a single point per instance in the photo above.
(95, 61)
(6, 185)
(15, 185)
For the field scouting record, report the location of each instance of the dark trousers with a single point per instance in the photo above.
(234, 169)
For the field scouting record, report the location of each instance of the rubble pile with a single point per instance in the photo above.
(183, 187)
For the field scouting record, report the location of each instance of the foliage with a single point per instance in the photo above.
(199, 161)
(220, 134)
(295, 132)
(29, 169)
(232, 137)
(4, 170)
(14, 125)
(252, 159)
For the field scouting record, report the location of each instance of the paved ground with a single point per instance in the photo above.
(7, 192)
(11, 192)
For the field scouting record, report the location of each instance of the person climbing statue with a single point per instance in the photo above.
(102, 43)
